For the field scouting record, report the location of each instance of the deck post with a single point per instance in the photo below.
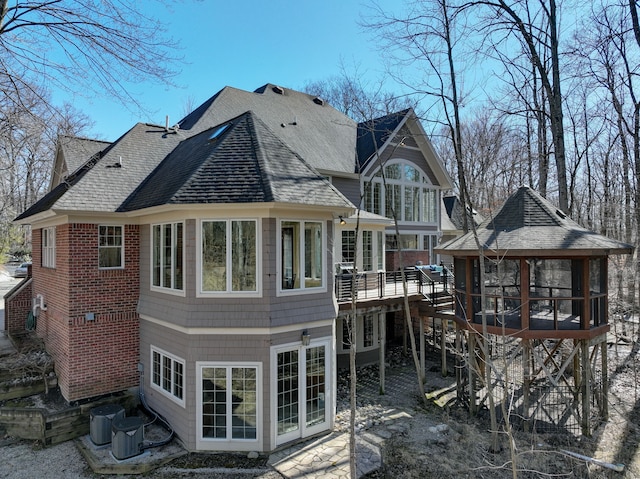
(605, 380)
(444, 326)
(423, 372)
(526, 371)
(473, 367)
(585, 387)
(458, 363)
(382, 338)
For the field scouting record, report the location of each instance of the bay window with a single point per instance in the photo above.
(167, 255)
(229, 256)
(302, 254)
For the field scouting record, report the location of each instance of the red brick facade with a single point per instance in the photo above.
(17, 306)
(90, 326)
(409, 258)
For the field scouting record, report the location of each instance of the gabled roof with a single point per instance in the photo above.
(373, 134)
(454, 211)
(245, 162)
(72, 152)
(526, 225)
(107, 179)
(300, 120)
(401, 129)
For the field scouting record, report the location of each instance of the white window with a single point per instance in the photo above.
(229, 256)
(110, 247)
(302, 254)
(366, 333)
(406, 194)
(49, 247)
(367, 250)
(380, 250)
(167, 256)
(229, 402)
(167, 374)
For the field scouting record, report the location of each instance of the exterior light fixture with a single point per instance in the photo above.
(342, 221)
(306, 338)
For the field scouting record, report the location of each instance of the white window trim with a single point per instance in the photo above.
(301, 290)
(159, 387)
(162, 289)
(229, 294)
(229, 443)
(329, 391)
(122, 229)
(49, 251)
(360, 348)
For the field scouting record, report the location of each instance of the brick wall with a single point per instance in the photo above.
(91, 324)
(409, 258)
(17, 306)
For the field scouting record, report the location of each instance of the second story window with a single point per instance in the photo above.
(49, 247)
(302, 254)
(406, 193)
(110, 247)
(167, 260)
(229, 256)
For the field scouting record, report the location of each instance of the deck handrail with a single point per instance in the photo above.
(382, 284)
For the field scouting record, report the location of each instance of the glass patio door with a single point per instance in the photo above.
(301, 392)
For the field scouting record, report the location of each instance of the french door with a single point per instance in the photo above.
(302, 391)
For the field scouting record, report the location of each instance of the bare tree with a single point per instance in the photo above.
(538, 32)
(95, 46)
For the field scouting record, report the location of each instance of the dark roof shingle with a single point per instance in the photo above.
(527, 223)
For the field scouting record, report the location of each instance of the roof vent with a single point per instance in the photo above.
(117, 164)
(561, 214)
(318, 101)
(278, 89)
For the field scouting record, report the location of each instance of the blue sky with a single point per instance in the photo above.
(245, 44)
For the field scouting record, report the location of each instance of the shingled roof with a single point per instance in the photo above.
(527, 225)
(372, 135)
(241, 161)
(302, 121)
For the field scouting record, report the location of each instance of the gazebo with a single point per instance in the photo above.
(531, 294)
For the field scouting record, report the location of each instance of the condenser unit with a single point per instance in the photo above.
(100, 419)
(127, 437)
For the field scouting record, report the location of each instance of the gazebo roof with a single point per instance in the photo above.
(527, 225)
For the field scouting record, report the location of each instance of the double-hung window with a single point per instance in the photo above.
(167, 259)
(49, 247)
(167, 374)
(302, 254)
(110, 247)
(229, 256)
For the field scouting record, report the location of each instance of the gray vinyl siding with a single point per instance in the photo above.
(269, 310)
(213, 348)
(194, 348)
(349, 187)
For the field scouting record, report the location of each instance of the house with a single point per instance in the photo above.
(198, 261)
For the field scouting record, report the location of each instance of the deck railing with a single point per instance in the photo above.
(385, 284)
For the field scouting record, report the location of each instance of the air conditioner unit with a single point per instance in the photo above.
(100, 419)
(127, 437)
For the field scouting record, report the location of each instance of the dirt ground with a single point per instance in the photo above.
(462, 450)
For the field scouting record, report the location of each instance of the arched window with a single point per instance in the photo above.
(405, 193)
